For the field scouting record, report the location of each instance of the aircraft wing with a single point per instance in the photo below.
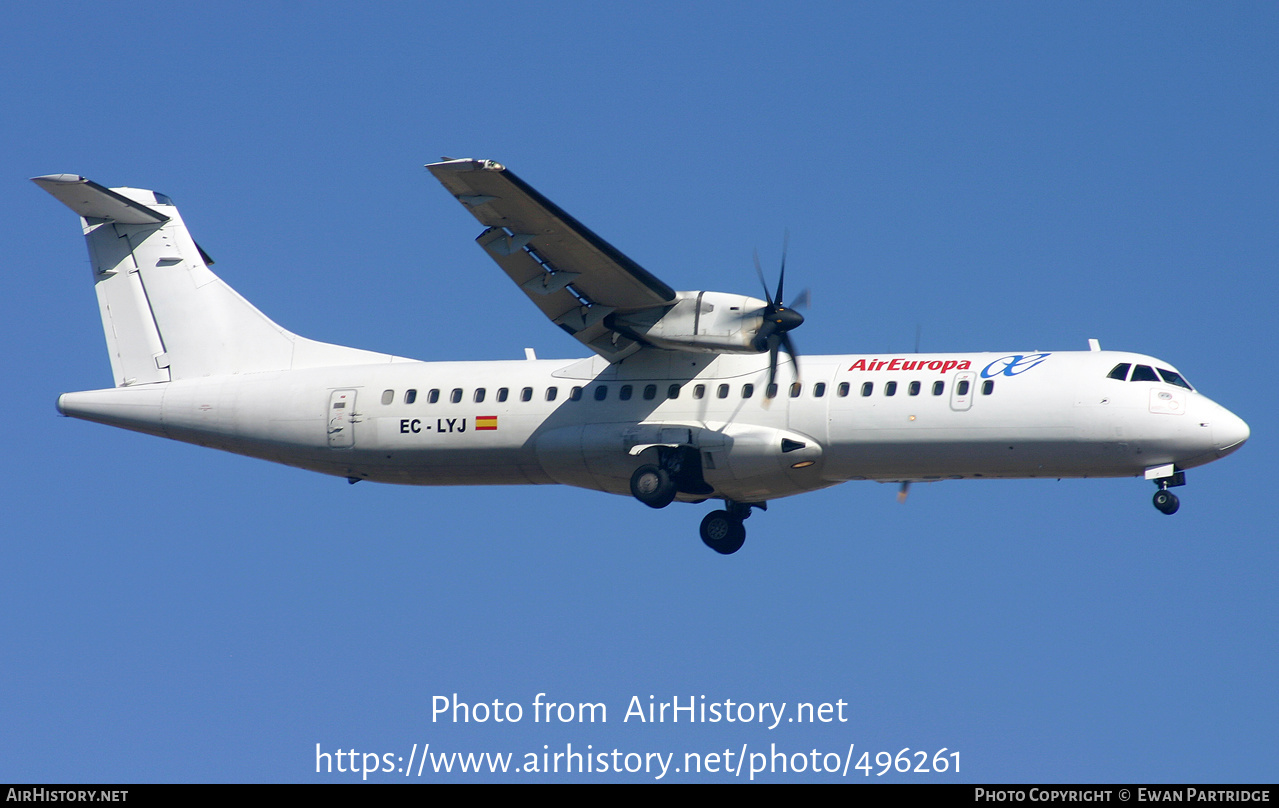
(575, 277)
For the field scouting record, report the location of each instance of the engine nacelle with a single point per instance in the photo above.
(709, 322)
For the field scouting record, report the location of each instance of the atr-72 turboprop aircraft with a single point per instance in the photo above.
(681, 401)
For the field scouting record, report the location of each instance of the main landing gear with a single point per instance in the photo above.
(654, 486)
(677, 470)
(1165, 500)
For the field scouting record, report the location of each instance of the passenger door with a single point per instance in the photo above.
(342, 419)
(961, 391)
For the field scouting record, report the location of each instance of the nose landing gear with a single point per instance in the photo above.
(1166, 501)
(723, 532)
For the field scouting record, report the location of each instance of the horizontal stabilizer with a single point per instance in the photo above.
(92, 201)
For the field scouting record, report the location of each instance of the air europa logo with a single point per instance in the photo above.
(899, 363)
(1013, 364)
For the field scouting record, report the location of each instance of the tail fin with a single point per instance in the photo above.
(165, 314)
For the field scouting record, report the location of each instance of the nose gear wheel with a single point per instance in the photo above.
(723, 532)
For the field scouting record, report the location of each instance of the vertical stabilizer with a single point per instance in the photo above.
(165, 314)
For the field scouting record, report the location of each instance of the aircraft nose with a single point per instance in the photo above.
(1229, 432)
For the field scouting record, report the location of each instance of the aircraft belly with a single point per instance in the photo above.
(740, 461)
(587, 456)
(958, 453)
(259, 417)
(1135, 427)
(455, 450)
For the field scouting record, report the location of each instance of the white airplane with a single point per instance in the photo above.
(680, 402)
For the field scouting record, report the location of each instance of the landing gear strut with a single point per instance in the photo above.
(723, 532)
(1165, 500)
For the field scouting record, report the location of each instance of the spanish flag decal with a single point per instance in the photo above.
(483, 422)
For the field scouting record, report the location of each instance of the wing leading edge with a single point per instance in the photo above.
(575, 277)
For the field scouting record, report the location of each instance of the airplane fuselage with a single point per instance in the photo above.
(586, 423)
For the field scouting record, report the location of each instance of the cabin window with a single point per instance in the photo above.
(456, 395)
(1119, 371)
(867, 388)
(1172, 377)
(961, 387)
(526, 394)
(479, 395)
(770, 391)
(914, 388)
(795, 389)
(388, 396)
(890, 388)
(819, 389)
(502, 393)
(625, 392)
(699, 390)
(748, 390)
(601, 392)
(843, 389)
(551, 393)
(672, 392)
(410, 396)
(650, 392)
(433, 397)
(1143, 373)
(988, 387)
(722, 392)
(575, 394)
(939, 388)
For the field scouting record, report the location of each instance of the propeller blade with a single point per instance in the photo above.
(794, 354)
(903, 491)
(762, 336)
(781, 278)
(773, 343)
(803, 300)
(760, 272)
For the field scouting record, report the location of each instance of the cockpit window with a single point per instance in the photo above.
(1143, 373)
(1120, 371)
(1172, 377)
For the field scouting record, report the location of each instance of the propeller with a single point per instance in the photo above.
(779, 319)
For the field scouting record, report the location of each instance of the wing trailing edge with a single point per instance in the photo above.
(575, 277)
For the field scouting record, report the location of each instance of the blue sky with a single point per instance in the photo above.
(1005, 176)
